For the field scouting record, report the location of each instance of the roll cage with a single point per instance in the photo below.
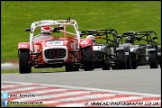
(147, 36)
(103, 34)
(62, 24)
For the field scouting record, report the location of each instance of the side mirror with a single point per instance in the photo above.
(60, 28)
(81, 34)
(57, 29)
(28, 29)
(154, 37)
(118, 36)
(113, 41)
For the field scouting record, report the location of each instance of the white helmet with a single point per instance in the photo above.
(92, 37)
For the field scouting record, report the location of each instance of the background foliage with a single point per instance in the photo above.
(123, 16)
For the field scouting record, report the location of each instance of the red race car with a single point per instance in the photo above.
(55, 43)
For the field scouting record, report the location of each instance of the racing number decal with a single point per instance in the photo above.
(96, 47)
(54, 43)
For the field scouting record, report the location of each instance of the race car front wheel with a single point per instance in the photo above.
(153, 60)
(121, 60)
(160, 63)
(71, 67)
(24, 67)
(128, 62)
(88, 62)
(106, 66)
(76, 68)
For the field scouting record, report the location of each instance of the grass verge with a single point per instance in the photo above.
(120, 15)
(43, 70)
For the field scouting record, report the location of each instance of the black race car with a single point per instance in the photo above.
(104, 48)
(138, 48)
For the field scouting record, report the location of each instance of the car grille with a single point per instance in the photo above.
(55, 53)
(133, 57)
(98, 55)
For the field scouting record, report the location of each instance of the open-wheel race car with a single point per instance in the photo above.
(104, 45)
(55, 43)
(139, 48)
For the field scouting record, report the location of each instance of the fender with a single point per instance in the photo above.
(120, 49)
(23, 45)
(134, 49)
(126, 46)
(152, 50)
(85, 42)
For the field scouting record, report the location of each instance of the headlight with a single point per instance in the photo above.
(112, 49)
(131, 49)
(37, 48)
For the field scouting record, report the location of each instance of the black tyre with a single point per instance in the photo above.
(160, 64)
(134, 65)
(69, 67)
(153, 60)
(76, 67)
(114, 67)
(128, 62)
(24, 67)
(88, 62)
(81, 66)
(121, 60)
(105, 65)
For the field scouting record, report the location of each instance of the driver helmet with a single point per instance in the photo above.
(46, 30)
(129, 39)
(93, 38)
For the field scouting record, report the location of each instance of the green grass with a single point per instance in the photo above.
(123, 16)
(43, 70)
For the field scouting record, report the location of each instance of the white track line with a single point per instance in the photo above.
(55, 96)
(48, 91)
(24, 88)
(66, 99)
(78, 100)
(83, 98)
(7, 86)
(152, 101)
(87, 88)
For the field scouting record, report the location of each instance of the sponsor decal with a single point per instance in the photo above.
(51, 43)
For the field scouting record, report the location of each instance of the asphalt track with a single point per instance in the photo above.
(141, 80)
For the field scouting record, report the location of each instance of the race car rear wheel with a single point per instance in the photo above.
(24, 67)
(69, 67)
(88, 62)
(134, 65)
(106, 66)
(153, 60)
(128, 62)
(121, 59)
(160, 64)
(76, 67)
